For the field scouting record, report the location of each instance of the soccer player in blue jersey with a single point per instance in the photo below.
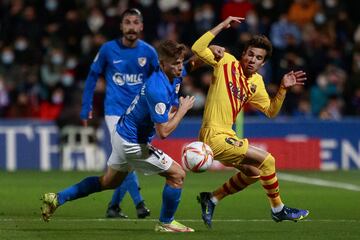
(156, 109)
(125, 63)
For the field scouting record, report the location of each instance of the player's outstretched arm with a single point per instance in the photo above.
(290, 79)
(226, 24)
(200, 47)
(163, 130)
(195, 62)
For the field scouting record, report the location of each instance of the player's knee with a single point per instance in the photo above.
(268, 165)
(176, 180)
(110, 182)
(249, 170)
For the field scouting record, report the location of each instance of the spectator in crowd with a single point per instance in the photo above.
(61, 38)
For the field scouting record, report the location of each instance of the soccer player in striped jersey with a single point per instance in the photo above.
(236, 82)
(125, 63)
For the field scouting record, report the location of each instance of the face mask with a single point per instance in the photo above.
(320, 18)
(51, 5)
(57, 59)
(330, 3)
(67, 79)
(252, 19)
(7, 57)
(95, 23)
(71, 63)
(57, 98)
(21, 45)
(267, 4)
(208, 14)
(146, 3)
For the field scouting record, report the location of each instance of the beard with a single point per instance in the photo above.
(131, 36)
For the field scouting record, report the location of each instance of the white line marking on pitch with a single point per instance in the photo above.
(318, 182)
(156, 220)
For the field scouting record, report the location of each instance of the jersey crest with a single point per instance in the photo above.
(142, 61)
(253, 88)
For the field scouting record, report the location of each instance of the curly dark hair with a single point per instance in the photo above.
(260, 41)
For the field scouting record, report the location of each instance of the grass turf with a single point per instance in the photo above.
(334, 213)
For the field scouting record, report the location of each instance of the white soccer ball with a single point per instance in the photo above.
(197, 157)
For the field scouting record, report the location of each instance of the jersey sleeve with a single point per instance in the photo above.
(200, 48)
(157, 99)
(99, 62)
(154, 60)
(269, 106)
(88, 93)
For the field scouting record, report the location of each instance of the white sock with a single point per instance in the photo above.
(214, 200)
(277, 208)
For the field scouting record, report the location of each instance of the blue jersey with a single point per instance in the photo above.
(150, 106)
(125, 70)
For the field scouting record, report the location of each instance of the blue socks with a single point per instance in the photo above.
(170, 202)
(87, 186)
(130, 184)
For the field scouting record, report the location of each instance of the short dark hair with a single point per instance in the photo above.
(260, 41)
(170, 49)
(131, 11)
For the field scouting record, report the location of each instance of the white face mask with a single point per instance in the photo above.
(320, 18)
(57, 98)
(252, 19)
(21, 45)
(267, 4)
(71, 63)
(51, 5)
(57, 59)
(67, 79)
(7, 57)
(95, 23)
(331, 3)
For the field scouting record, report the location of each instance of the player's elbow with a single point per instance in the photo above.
(162, 133)
(195, 49)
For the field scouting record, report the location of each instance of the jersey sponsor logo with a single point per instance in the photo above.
(236, 92)
(142, 61)
(130, 79)
(117, 61)
(160, 108)
(234, 142)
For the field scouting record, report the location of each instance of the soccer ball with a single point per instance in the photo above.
(197, 157)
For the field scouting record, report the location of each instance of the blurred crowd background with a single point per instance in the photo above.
(46, 48)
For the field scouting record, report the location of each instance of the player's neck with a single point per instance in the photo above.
(127, 43)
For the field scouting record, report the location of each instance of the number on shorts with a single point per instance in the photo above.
(157, 152)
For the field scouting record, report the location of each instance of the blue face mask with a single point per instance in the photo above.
(57, 59)
(7, 57)
(51, 5)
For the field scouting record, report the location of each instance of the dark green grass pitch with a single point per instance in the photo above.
(334, 212)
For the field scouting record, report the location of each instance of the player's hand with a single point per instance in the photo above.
(229, 20)
(85, 121)
(217, 51)
(186, 103)
(293, 78)
(172, 112)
